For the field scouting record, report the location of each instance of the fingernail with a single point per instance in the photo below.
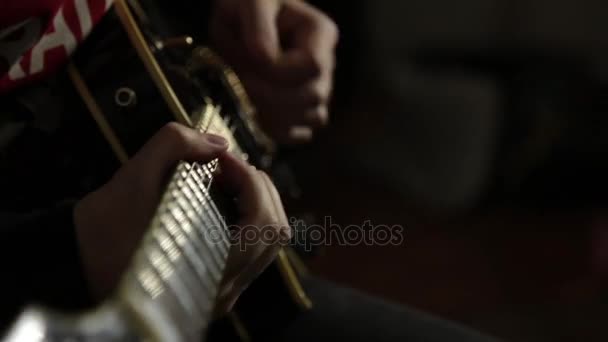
(216, 140)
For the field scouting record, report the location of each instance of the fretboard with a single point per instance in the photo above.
(175, 276)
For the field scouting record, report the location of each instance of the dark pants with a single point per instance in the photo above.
(342, 314)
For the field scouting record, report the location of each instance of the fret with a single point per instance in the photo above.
(150, 282)
(181, 266)
(209, 219)
(221, 241)
(213, 263)
(194, 198)
(216, 221)
(164, 295)
(199, 188)
(185, 271)
(146, 282)
(210, 235)
(206, 181)
(182, 259)
(197, 176)
(165, 241)
(198, 218)
(168, 243)
(205, 118)
(204, 171)
(173, 282)
(213, 122)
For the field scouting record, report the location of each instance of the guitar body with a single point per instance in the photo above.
(134, 75)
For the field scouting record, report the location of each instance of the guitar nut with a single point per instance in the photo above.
(125, 97)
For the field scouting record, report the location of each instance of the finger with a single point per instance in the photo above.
(299, 135)
(294, 135)
(250, 236)
(312, 38)
(307, 94)
(175, 142)
(287, 133)
(283, 228)
(235, 287)
(259, 18)
(317, 117)
(243, 251)
(311, 118)
(309, 27)
(243, 181)
(282, 122)
(281, 108)
(256, 267)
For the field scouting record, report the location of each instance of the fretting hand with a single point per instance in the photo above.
(111, 221)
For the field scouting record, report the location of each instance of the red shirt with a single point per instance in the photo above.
(38, 36)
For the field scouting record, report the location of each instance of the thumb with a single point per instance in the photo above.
(259, 25)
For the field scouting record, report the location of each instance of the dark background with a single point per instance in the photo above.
(478, 126)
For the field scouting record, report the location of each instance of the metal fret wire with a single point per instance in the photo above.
(172, 275)
(171, 258)
(211, 250)
(221, 222)
(178, 306)
(172, 225)
(159, 259)
(168, 243)
(192, 226)
(212, 204)
(200, 189)
(150, 282)
(166, 269)
(188, 209)
(210, 221)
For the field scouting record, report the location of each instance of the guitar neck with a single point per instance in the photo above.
(168, 293)
(179, 266)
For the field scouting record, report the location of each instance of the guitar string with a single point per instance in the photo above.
(193, 197)
(195, 286)
(152, 284)
(171, 282)
(204, 200)
(195, 223)
(173, 285)
(209, 119)
(184, 172)
(210, 211)
(181, 285)
(202, 171)
(212, 224)
(214, 212)
(168, 243)
(213, 267)
(163, 259)
(159, 275)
